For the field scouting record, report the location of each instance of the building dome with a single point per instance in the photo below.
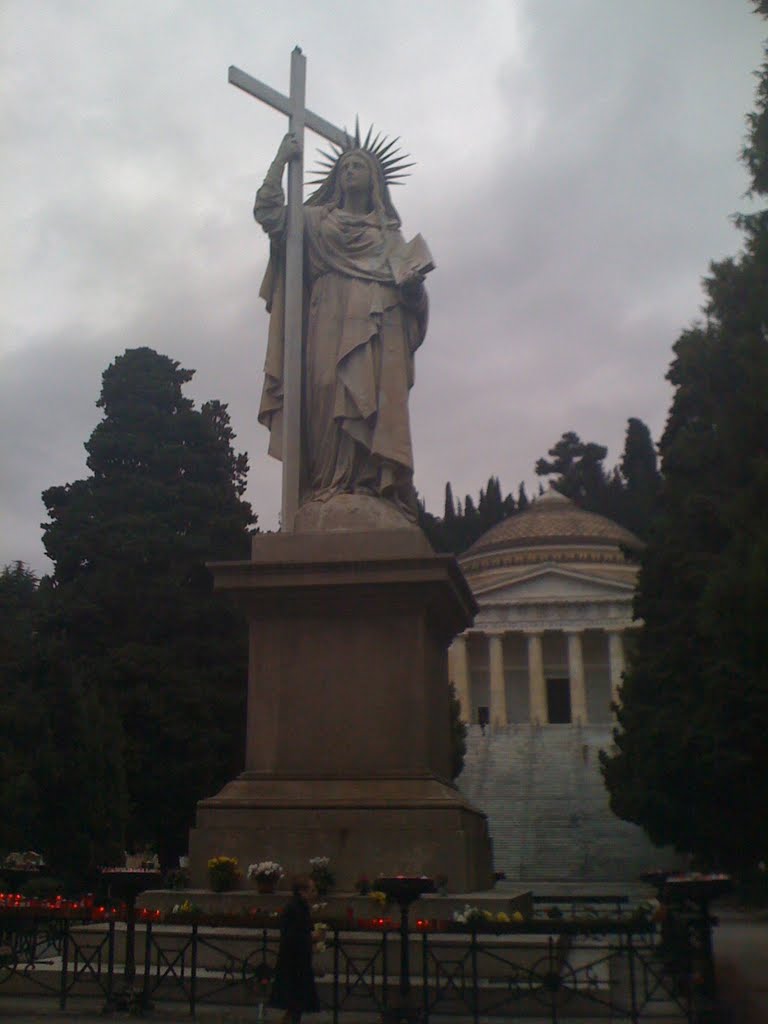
(552, 529)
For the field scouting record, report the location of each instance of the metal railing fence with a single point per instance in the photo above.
(617, 970)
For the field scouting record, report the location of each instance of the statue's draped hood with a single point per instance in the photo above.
(330, 192)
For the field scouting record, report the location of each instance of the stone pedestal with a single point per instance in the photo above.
(347, 752)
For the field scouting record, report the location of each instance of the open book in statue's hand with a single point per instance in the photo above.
(412, 259)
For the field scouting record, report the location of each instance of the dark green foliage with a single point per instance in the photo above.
(146, 666)
(642, 480)
(578, 468)
(21, 717)
(449, 508)
(627, 494)
(79, 767)
(60, 781)
(755, 152)
(461, 525)
(458, 735)
(691, 764)
(431, 525)
(18, 601)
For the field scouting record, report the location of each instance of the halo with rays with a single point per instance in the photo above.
(394, 163)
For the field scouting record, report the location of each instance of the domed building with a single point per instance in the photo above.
(536, 676)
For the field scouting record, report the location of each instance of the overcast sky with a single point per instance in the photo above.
(577, 163)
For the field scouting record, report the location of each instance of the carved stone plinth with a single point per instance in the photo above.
(348, 739)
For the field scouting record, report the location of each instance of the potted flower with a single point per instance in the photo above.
(223, 873)
(321, 874)
(186, 907)
(266, 873)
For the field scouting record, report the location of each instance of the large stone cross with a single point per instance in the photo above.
(299, 118)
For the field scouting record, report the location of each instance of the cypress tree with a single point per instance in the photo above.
(691, 761)
(449, 508)
(642, 479)
(134, 632)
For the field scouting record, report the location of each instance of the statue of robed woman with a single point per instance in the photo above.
(365, 314)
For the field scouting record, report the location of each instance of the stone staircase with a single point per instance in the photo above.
(547, 806)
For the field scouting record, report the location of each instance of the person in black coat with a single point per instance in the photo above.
(293, 989)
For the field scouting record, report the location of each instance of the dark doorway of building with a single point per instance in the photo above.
(558, 701)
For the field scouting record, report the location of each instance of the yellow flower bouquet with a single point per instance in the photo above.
(223, 873)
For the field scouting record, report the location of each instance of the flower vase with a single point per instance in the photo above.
(266, 885)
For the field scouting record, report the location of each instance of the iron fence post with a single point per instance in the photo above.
(632, 981)
(110, 960)
(550, 971)
(475, 984)
(425, 975)
(64, 968)
(193, 972)
(335, 975)
(147, 965)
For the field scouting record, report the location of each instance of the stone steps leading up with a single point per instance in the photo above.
(547, 806)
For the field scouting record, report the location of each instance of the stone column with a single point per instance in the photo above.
(537, 687)
(576, 675)
(458, 673)
(616, 661)
(498, 708)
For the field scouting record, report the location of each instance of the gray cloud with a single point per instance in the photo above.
(577, 163)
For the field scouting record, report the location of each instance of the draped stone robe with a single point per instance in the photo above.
(360, 334)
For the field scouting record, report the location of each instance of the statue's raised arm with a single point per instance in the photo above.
(269, 208)
(365, 314)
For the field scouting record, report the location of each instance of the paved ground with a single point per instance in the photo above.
(741, 960)
(210, 1016)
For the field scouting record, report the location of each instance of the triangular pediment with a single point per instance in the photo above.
(552, 583)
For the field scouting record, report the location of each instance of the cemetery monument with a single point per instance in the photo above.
(350, 611)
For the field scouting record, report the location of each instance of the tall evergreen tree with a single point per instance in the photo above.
(21, 716)
(471, 527)
(638, 497)
(490, 507)
(578, 470)
(462, 525)
(130, 601)
(458, 734)
(18, 602)
(626, 494)
(691, 760)
(432, 526)
(61, 784)
(509, 506)
(449, 508)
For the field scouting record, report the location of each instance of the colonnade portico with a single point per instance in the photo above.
(537, 687)
(554, 587)
(606, 644)
(538, 675)
(498, 708)
(576, 677)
